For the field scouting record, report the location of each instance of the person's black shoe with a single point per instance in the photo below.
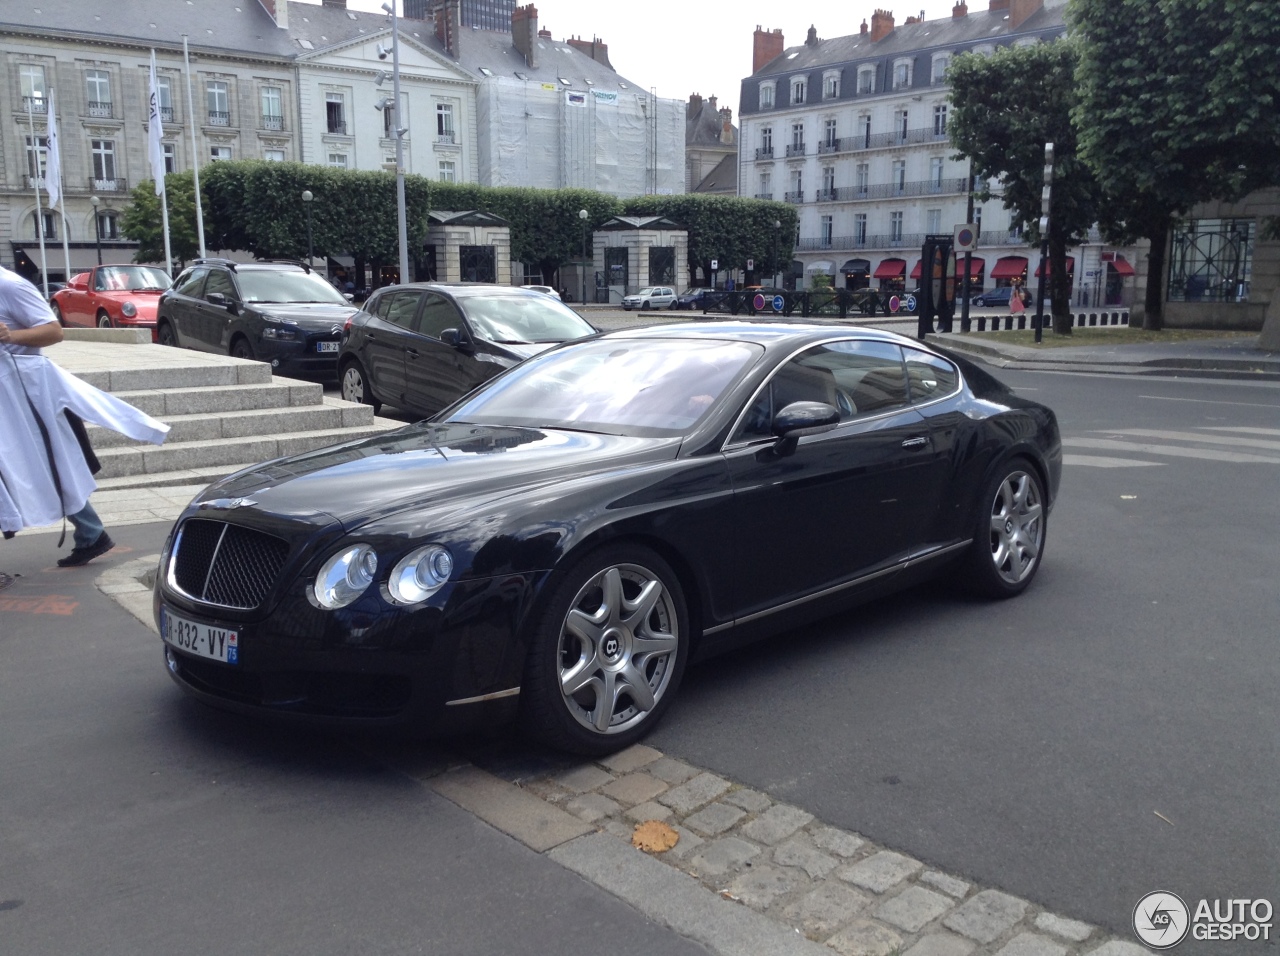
(79, 556)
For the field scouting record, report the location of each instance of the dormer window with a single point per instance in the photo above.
(941, 63)
(831, 85)
(766, 96)
(798, 85)
(867, 80)
(901, 74)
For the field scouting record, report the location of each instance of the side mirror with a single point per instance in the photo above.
(348, 296)
(802, 418)
(218, 299)
(453, 338)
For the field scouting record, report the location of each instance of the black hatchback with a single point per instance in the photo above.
(421, 346)
(277, 312)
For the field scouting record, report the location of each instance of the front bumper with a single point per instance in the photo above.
(300, 355)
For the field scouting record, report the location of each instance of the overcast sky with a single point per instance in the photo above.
(703, 46)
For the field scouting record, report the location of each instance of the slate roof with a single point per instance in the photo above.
(554, 59)
(722, 179)
(703, 129)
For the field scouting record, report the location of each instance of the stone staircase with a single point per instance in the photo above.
(224, 413)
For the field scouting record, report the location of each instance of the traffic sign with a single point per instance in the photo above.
(751, 265)
(778, 303)
(758, 301)
(966, 237)
(715, 264)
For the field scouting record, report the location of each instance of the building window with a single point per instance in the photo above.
(272, 108)
(829, 181)
(447, 172)
(935, 173)
(829, 138)
(273, 155)
(860, 228)
(33, 91)
(219, 152)
(797, 138)
(766, 186)
(940, 67)
(170, 157)
(766, 96)
(218, 103)
(108, 225)
(44, 223)
(984, 49)
(335, 113)
(99, 89)
(864, 124)
(827, 227)
(862, 178)
(899, 176)
(164, 93)
(933, 221)
(1015, 226)
(444, 123)
(37, 157)
(338, 160)
(900, 120)
(940, 120)
(830, 86)
(797, 91)
(766, 141)
(867, 80)
(796, 193)
(104, 163)
(977, 221)
(901, 74)
(895, 227)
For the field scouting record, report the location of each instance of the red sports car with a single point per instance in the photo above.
(112, 297)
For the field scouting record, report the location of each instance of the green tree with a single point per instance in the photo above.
(1005, 108)
(143, 220)
(1179, 103)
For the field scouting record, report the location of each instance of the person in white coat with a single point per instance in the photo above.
(43, 473)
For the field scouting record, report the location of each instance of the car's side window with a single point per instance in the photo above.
(401, 309)
(220, 281)
(437, 315)
(379, 304)
(857, 378)
(190, 283)
(929, 376)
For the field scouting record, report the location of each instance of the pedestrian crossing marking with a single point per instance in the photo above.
(1174, 451)
(1099, 461)
(1243, 429)
(1198, 437)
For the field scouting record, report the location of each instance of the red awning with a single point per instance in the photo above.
(916, 270)
(891, 269)
(976, 266)
(1071, 266)
(1010, 267)
(1122, 267)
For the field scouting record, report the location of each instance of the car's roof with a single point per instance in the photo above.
(764, 332)
(464, 288)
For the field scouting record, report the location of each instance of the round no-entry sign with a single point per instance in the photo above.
(758, 301)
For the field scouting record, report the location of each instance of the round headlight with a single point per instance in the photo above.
(129, 309)
(345, 576)
(420, 574)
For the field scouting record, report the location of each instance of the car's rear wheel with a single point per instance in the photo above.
(1010, 535)
(165, 334)
(355, 387)
(104, 320)
(607, 652)
(674, 305)
(57, 313)
(241, 349)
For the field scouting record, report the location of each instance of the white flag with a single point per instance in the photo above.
(155, 130)
(53, 160)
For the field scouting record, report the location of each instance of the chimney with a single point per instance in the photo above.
(711, 101)
(336, 4)
(911, 20)
(278, 10)
(961, 9)
(812, 38)
(863, 28)
(524, 32)
(447, 15)
(726, 126)
(597, 49)
(694, 107)
(882, 25)
(767, 46)
(998, 5)
(544, 33)
(1020, 10)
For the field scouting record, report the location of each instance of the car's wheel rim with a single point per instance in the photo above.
(104, 322)
(1017, 527)
(353, 386)
(618, 648)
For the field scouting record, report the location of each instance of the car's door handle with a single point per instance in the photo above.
(413, 352)
(917, 442)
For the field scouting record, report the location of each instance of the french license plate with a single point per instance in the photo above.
(202, 640)
(327, 346)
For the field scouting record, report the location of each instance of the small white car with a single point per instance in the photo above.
(653, 297)
(544, 289)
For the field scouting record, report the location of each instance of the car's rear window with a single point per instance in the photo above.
(655, 387)
(261, 285)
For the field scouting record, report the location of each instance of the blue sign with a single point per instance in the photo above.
(911, 303)
(778, 303)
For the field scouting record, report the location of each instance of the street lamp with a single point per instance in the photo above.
(306, 204)
(97, 226)
(582, 214)
(400, 131)
(777, 228)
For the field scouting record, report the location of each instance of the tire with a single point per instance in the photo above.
(355, 386)
(644, 306)
(615, 624)
(1009, 536)
(241, 349)
(674, 305)
(104, 320)
(165, 335)
(57, 314)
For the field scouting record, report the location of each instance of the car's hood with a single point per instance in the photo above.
(426, 465)
(317, 316)
(526, 350)
(144, 302)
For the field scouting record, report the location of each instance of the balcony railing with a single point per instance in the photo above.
(97, 108)
(795, 149)
(33, 181)
(928, 187)
(219, 118)
(764, 195)
(36, 104)
(830, 146)
(337, 129)
(116, 184)
(446, 138)
(795, 197)
(907, 240)
(271, 121)
(764, 152)
(166, 114)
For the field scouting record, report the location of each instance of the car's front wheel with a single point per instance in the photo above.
(104, 320)
(607, 651)
(1009, 538)
(355, 387)
(241, 349)
(165, 334)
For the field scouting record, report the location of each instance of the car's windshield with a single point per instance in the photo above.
(652, 387)
(268, 286)
(523, 318)
(647, 292)
(131, 279)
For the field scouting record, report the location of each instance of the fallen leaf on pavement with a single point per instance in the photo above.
(654, 836)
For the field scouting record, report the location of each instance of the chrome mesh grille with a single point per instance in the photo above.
(226, 564)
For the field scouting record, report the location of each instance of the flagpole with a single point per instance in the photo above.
(195, 151)
(155, 132)
(35, 162)
(168, 256)
(62, 196)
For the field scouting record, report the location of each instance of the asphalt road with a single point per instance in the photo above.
(134, 821)
(1111, 732)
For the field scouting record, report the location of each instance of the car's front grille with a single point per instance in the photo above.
(225, 564)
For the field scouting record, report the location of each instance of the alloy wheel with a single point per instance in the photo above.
(353, 387)
(1017, 527)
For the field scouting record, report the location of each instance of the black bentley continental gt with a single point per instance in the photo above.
(562, 541)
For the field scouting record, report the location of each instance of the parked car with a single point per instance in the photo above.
(111, 296)
(277, 312)
(421, 346)
(698, 298)
(998, 296)
(561, 542)
(544, 289)
(652, 297)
